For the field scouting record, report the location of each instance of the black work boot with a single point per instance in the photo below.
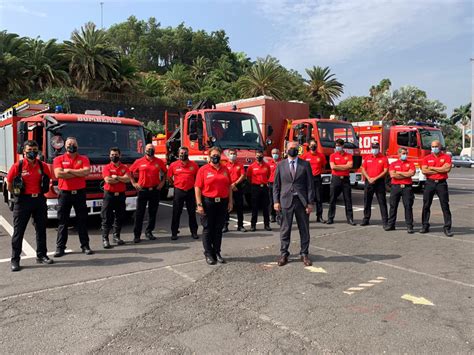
(105, 239)
(117, 240)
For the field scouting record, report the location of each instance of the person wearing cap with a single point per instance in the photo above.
(272, 163)
(237, 176)
(116, 176)
(436, 167)
(214, 201)
(374, 169)
(258, 174)
(341, 164)
(29, 202)
(401, 172)
(182, 174)
(145, 177)
(71, 169)
(317, 160)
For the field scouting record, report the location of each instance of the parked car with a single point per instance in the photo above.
(462, 162)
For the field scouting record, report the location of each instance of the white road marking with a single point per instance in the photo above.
(26, 247)
(366, 285)
(355, 288)
(180, 273)
(33, 256)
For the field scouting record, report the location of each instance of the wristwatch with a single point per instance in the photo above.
(199, 204)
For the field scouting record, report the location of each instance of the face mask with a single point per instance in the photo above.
(232, 157)
(31, 155)
(71, 148)
(183, 156)
(114, 159)
(215, 159)
(312, 148)
(293, 152)
(338, 148)
(275, 156)
(435, 150)
(259, 159)
(403, 157)
(375, 151)
(150, 152)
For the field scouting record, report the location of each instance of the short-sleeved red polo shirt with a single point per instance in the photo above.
(120, 170)
(183, 173)
(437, 162)
(258, 173)
(65, 161)
(317, 161)
(213, 182)
(340, 159)
(375, 165)
(148, 171)
(402, 166)
(31, 175)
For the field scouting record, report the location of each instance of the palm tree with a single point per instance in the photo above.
(265, 77)
(322, 85)
(462, 114)
(45, 65)
(92, 60)
(176, 79)
(150, 85)
(200, 67)
(12, 63)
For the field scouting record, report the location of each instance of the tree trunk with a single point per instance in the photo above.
(463, 134)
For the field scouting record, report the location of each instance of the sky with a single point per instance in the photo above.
(424, 43)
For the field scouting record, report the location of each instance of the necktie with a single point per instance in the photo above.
(292, 169)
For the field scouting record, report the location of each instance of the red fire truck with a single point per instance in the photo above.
(416, 137)
(95, 134)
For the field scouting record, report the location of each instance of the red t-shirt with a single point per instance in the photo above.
(437, 162)
(375, 165)
(120, 170)
(258, 173)
(273, 167)
(340, 159)
(317, 161)
(183, 173)
(403, 167)
(213, 182)
(31, 174)
(236, 170)
(65, 161)
(148, 171)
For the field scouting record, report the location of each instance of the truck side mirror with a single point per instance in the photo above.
(269, 130)
(22, 134)
(192, 127)
(268, 142)
(149, 137)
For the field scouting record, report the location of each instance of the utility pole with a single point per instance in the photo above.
(102, 15)
(472, 115)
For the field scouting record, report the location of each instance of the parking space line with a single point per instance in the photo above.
(456, 282)
(26, 247)
(180, 273)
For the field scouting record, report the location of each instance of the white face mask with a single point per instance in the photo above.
(232, 157)
(275, 156)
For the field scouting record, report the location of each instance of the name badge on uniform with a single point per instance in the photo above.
(380, 162)
(191, 168)
(442, 160)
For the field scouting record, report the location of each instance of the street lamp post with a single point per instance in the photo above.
(102, 15)
(472, 115)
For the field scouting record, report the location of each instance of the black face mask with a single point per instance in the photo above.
(259, 159)
(215, 159)
(183, 157)
(312, 148)
(71, 148)
(293, 152)
(31, 155)
(114, 159)
(150, 152)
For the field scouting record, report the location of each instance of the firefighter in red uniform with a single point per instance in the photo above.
(148, 186)
(341, 163)
(214, 201)
(401, 172)
(237, 176)
(436, 167)
(29, 202)
(71, 170)
(182, 174)
(374, 169)
(272, 163)
(317, 161)
(115, 175)
(258, 174)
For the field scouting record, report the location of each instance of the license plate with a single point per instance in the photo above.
(97, 203)
(349, 151)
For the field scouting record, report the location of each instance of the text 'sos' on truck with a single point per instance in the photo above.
(284, 121)
(95, 135)
(415, 137)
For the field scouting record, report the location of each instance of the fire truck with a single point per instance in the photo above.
(416, 137)
(95, 134)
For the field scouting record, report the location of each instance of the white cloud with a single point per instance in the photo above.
(336, 31)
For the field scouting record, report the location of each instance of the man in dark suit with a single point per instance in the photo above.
(293, 192)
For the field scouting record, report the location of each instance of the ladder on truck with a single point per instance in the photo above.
(25, 108)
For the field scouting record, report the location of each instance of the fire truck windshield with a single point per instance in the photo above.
(95, 140)
(234, 130)
(330, 131)
(430, 135)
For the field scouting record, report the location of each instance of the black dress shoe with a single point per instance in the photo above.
(106, 243)
(210, 260)
(137, 240)
(241, 229)
(15, 266)
(44, 260)
(330, 221)
(320, 219)
(87, 251)
(268, 228)
(389, 228)
(118, 241)
(225, 229)
(150, 236)
(253, 228)
(351, 222)
(273, 219)
(174, 237)
(424, 230)
(364, 223)
(448, 232)
(59, 253)
(194, 235)
(220, 259)
(410, 230)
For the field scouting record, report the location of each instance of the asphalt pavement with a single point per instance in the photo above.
(369, 291)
